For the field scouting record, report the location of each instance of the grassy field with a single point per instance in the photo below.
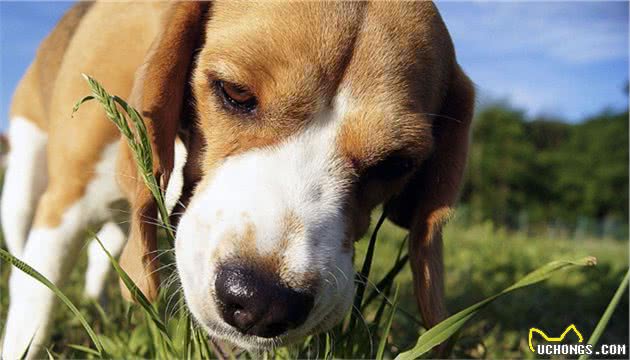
(480, 261)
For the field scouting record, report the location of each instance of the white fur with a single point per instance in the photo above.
(113, 238)
(52, 252)
(176, 182)
(24, 181)
(303, 176)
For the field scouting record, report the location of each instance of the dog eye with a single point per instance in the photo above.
(236, 97)
(393, 167)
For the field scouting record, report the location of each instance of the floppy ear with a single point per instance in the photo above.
(158, 93)
(426, 202)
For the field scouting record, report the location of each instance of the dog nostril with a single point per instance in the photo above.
(236, 293)
(277, 328)
(257, 305)
(243, 320)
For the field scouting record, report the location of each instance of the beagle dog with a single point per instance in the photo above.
(296, 120)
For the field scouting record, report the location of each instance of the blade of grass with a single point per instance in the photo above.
(28, 347)
(383, 342)
(362, 280)
(610, 309)
(187, 348)
(101, 314)
(148, 176)
(204, 349)
(137, 294)
(384, 291)
(137, 140)
(161, 349)
(362, 277)
(28, 270)
(442, 331)
(84, 349)
(376, 323)
(328, 353)
(399, 264)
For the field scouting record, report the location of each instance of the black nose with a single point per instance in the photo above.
(256, 304)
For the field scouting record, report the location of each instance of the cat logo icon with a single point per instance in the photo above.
(553, 339)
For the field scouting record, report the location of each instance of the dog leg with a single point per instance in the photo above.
(113, 238)
(51, 251)
(24, 181)
(66, 209)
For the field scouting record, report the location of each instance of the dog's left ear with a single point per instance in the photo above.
(426, 202)
(159, 94)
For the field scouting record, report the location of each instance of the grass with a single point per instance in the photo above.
(481, 262)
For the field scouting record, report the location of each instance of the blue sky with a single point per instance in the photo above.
(564, 59)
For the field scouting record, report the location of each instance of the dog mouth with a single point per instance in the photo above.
(226, 322)
(322, 320)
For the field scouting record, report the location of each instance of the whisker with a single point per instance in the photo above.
(341, 271)
(114, 173)
(180, 203)
(366, 326)
(160, 251)
(175, 306)
(147, 219)
(177, 213)
(443, 116)
(161, 268)
(170, 280)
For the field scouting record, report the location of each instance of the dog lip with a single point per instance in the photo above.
(225, 332)
(232, 335)
(220, 330)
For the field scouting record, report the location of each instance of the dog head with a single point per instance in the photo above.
(303, 117)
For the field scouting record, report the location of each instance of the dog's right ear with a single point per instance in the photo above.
(427, 201)
(158, 94)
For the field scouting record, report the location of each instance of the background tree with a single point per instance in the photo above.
(544, 170)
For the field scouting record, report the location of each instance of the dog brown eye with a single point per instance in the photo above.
(393, 167)
(236, 97)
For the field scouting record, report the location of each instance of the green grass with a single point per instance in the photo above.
(480, 262)
(482, 265)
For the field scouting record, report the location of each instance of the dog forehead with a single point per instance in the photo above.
(385, 62)
(320, 40)
(406, 16)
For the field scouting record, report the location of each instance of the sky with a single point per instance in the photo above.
(567, 60)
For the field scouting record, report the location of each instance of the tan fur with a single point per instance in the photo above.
(53, 84)
(241, 248)
(406, 93)
(288, 90)
(32, 96)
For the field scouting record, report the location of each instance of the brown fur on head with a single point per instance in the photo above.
(357, 104)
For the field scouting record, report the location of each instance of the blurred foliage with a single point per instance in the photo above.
(532, 173)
